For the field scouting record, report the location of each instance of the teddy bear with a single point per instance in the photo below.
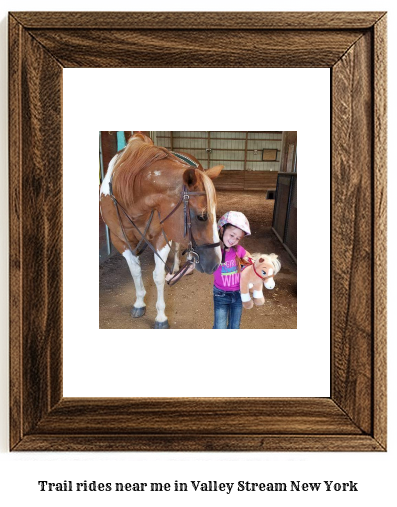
(260, 270)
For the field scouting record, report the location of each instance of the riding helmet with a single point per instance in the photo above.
(237, 219)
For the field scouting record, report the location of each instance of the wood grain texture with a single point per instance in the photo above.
(15, 227)
(199, 443)
(196, 48)
(380, 229)
(352, 233)
(36, 233)
(353, 45)
(202, 20)
(246, 180)
(359, 234)
(162, 416)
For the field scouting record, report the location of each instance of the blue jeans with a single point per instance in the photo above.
(228, 308)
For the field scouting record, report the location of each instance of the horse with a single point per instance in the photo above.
(259, 272)
(152, 197)
(269, 266)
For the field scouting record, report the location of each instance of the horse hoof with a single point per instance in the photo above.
(138, 312)
(161, 325)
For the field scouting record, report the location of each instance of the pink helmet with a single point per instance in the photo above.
(237, 219)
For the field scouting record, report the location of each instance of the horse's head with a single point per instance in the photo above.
(202, 217)
(267, 266)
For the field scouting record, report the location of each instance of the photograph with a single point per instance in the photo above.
(204, 224)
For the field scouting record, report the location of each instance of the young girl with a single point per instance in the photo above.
(232, 227)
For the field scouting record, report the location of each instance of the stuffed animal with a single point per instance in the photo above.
(259, 272)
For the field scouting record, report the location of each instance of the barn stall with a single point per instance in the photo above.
(259, 180)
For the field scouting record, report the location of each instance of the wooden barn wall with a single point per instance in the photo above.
(240, 153)
(289, 151)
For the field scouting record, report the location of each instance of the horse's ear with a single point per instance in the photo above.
(190, 177)
(214, 172)
(140, 135)
(137, 135)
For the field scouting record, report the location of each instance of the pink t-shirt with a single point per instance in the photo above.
(226, 277)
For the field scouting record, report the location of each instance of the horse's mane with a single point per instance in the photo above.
(139, 153)
(272, 258)
(211, 195)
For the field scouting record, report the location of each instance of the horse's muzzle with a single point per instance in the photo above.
(210, 260)
(207, 270)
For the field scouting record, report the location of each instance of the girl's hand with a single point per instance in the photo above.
(244, 261)
(247, 256)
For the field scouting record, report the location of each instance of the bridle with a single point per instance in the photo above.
(263, 278)
(187, 220)
(193, 256)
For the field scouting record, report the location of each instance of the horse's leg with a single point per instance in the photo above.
(134, 264)
(177, 261)
(259, 299)
(177, 248)
(161, 321)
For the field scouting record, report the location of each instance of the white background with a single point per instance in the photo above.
(236, 363)
(19, 473)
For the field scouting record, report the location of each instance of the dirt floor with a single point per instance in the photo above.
(189, 303)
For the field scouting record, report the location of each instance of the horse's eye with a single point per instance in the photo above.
(203, 217)
(263, 273)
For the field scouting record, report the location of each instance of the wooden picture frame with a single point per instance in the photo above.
(353, 46)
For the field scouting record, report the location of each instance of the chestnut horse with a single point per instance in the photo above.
(151, 197)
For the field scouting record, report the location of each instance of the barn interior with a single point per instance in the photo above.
(260, 180)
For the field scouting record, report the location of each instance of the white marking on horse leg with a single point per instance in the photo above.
(136, 272)
(176, 257)
(105, 190)
(159, 278)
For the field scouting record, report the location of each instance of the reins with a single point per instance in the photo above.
(134, 252)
